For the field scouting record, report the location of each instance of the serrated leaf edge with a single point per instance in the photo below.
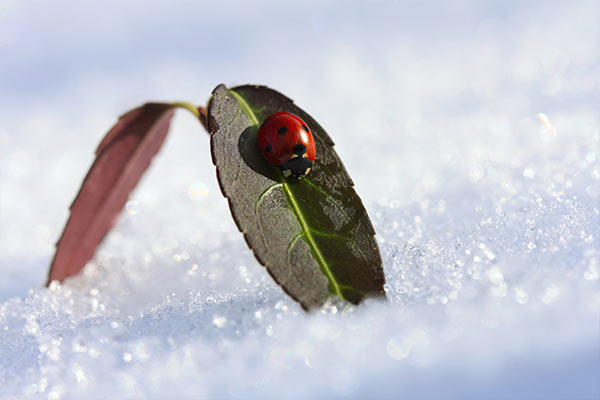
(306, 231)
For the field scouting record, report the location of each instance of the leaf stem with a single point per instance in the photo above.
(190, 107)
(198, 112)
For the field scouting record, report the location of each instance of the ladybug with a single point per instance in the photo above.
(287, 142)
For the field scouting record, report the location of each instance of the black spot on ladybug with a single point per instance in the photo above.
(268, 148)
(282, 130)
(305, 128)
(299, 149)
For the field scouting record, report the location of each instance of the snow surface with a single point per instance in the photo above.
(471, 130)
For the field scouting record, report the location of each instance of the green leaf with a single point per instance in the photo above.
(313, 234)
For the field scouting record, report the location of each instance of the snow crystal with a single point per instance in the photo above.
(472, 134)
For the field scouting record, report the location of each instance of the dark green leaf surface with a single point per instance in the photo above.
(313, 234)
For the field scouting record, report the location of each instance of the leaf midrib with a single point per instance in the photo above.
(296, 208)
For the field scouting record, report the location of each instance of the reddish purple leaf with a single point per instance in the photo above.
(121, 158)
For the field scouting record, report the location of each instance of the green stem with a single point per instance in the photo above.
(190, 107)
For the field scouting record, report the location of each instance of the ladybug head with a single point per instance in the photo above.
(296, 167)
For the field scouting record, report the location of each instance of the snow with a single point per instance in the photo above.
(471, 130)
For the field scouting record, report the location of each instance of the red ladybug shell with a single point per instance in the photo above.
(287, 142)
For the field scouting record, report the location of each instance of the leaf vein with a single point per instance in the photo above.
(291, 245)
(317, 188)
(311, 241)
(329, 235)
(263, 194)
